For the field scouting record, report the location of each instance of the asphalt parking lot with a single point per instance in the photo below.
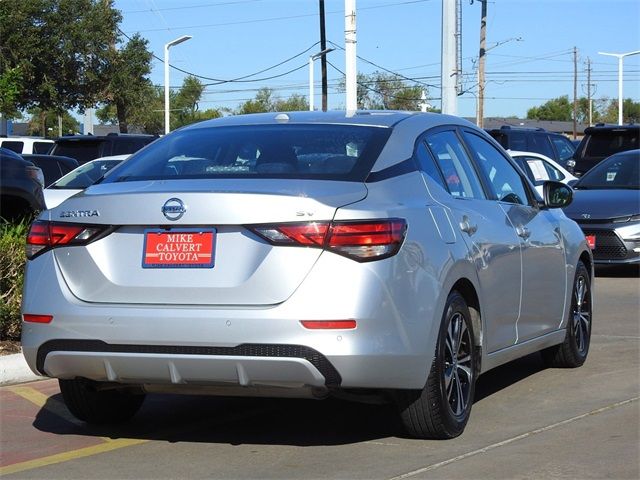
(527, 422)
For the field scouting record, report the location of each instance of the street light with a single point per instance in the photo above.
(183, 38)
(620, 57)
(312, 59)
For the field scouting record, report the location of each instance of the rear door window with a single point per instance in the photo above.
(458, 171)
(505, 179)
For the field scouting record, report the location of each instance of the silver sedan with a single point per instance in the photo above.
(306, 255)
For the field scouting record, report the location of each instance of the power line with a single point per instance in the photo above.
(287, 17)
(218, 81)
(185, 7)
(386, 69)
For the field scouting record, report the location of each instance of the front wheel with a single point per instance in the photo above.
(573, 351)
(90, 404)
(441, 409)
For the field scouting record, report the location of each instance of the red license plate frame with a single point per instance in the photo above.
(179, 248)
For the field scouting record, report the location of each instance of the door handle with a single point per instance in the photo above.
(465, 226)
(523, 231)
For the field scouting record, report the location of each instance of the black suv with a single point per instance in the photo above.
(554, 145)
(89, 147)
(21, 185)
(602, 141)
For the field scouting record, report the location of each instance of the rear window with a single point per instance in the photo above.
(611, 142)
(129, 145)
(82, 151)
(42, 147)
(332, 152)
(13, 145)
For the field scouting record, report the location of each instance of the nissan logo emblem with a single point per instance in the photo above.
(173, 209)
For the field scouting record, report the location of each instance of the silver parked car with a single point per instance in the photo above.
(306, 255)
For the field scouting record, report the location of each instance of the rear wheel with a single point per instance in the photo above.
(573, 351)
(441, 409)
(92, 405)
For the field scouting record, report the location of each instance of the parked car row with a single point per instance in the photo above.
(26, 160)
(598, 143)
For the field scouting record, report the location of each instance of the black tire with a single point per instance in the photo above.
(91, 405)
(441, 409)
(573, 351)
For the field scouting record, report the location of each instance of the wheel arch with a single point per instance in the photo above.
(466, 288)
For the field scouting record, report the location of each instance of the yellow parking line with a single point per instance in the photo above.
(31, 394)
(72, 455)
(48, 403)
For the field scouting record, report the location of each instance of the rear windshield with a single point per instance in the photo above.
(82, 151)
(611, 142)
(333, 152)
(619, 171)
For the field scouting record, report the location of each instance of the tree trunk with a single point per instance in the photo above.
(122, 118)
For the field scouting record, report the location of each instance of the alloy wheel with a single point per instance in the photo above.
(458, 358)
(581, 314)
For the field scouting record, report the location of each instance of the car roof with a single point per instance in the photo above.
(102, 138)
(610, 128)
(375, 118)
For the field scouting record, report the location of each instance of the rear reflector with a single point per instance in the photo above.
(362, 241)
(329, 324)
(44, 235)
(27, 317)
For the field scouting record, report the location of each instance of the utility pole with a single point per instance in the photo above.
(575, 92)
(481, 61)
(589, 91)
(323, 59)
(351, 76)
(448, 69)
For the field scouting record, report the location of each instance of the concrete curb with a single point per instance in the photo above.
(14, 369)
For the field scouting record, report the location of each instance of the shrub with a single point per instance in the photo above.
(12, 260)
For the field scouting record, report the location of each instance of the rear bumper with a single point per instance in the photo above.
(238, 347)
(245, 365)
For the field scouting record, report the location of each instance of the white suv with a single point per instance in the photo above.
(27, 144)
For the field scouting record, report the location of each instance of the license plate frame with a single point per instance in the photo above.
(188, 248)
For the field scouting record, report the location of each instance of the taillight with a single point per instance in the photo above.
(44, 235)
(362, 241)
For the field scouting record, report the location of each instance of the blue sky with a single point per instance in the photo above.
(234, 38)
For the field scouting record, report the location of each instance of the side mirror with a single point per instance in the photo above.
(556, 194)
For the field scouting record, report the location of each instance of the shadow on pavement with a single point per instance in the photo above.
(506, 375)
(237, 421)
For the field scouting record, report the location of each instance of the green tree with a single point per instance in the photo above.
(386, 91)
(266, 101)
(149, 116)
(295, 103)
(39, 118)
(10, 86)
(263, 102)
(61, 48)
(559, 109)
(129, 89)
(630, 111)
